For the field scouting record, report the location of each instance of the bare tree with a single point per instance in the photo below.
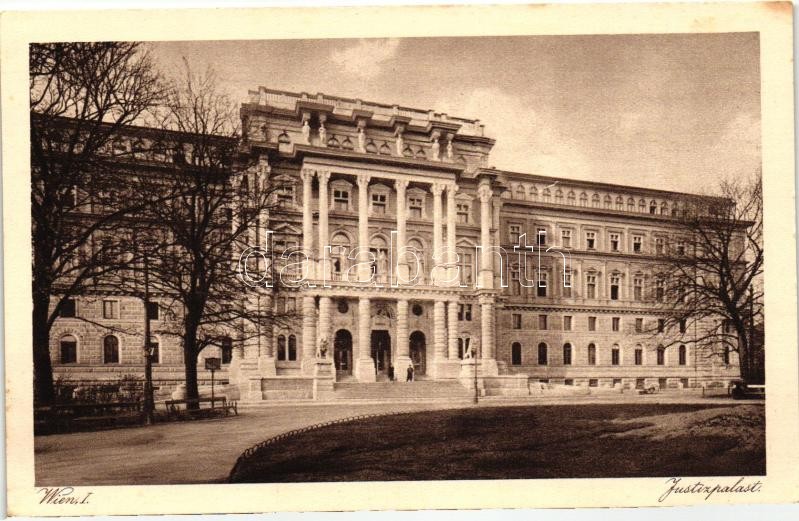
(220, 206)
(710, 280)
(81, 95)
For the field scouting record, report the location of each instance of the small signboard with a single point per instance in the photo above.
(213, 364)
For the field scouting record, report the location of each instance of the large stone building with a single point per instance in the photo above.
(371, 192)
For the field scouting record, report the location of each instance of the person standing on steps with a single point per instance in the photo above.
(390, 373)
(409, 378)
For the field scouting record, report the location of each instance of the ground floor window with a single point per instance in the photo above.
(69, 350)
(684, 382)
(616, 381)
(568, 381)
(110, 350)
(567, 354)
(227, 350)
(516, 353)
(591, 354)
(542, 354)
(593, 382)
(662, 383)
(639, 383)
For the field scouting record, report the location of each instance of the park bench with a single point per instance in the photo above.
(221, 404)
(71, 416)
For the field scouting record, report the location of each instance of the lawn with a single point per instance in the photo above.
(559, 441)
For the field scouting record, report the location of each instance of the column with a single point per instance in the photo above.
(307, 222)
(403, 338)
(439, 332)
(451, 246)
(437, 190)
(486, 268)
(266, 360)
(488, 342)
(323, 332)
(363, 226)
(403, 272)
(324, 238)
(308, 334)
(452, 329)
(364, 369)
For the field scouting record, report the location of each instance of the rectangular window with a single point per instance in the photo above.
(639, 357)
(227, 350)
(616, 321)
(682, 355)
(614, 356)
(465, 312)
(591, 354)
(542, 284)
(542, 354)
(681, 248)
(69, 351)
(615, 282)
(541, 236)
(379, 204)
(590, 286)
(591, 323)
(542, 322)
(614, 242)
(593, 382)
(152, 310)
(110, 309)
(682, 326)
(638, 243)
(660, 245)
(660, 290)
(567, 354)
(661, 325)
(341, 200)
(415, 205)
(514, 232)
(567, 323)
(640, 383)
(661, 359)
(639, 325)
(568, 381)
(68, 308)
(638, 288)
(662, 383)
(463, 213)
(567, 284)
(517, 321)
(590, 240)
(566, 238)
(617, 382)
(291, 304)
(156, 349)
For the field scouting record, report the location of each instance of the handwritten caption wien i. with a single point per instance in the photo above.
(63, 496)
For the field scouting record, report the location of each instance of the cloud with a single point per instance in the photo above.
(366, 58)
(526, 140)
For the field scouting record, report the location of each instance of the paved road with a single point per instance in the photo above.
(205, 451)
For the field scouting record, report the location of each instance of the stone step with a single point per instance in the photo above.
(400, 390)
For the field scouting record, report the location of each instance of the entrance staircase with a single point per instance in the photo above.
(420, 390)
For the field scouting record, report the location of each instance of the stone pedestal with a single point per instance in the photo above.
(364, 370)
(266, 366)
(323, 378)
(251, 391)
(467, 378)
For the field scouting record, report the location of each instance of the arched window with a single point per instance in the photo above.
(559, 196)
(542, 354)
(595, 200)
(292, 348)
(532, 193)
(110, 350)
(664, 208)
(379, 250)
(642, 206)
(615, 355)
(572, 200)
(630, 204)
(653, 207)
(639, 355)
(608, 202)
(516, 353)
(69, 349)
(415, 258)
(583, 199)
(619, 203)
(661, 355)
(281, 347)
(547, 195)
(682, 355)
(567, 354)
(520, 192)
(726, 355)
(591, 354)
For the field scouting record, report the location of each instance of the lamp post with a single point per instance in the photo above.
(149, 404)
(476, 391)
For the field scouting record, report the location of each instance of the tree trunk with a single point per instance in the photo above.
(43, 391)
(190, 361)
(744, 353)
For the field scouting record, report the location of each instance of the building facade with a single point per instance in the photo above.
(401, 247)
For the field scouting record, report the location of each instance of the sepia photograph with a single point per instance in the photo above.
(429, 258)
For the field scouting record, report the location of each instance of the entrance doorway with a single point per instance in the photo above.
(418, 352)
(381, 350)
(342, 351)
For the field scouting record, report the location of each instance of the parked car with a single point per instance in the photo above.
(741, 390)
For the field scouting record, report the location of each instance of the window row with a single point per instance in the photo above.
(543, 323)
(590, 241)
(68, 350)
(619, 203)
(615, 358)
(110, 309)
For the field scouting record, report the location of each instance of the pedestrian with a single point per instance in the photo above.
(390, 373)
(410, 373)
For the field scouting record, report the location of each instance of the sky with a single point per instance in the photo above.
(674, 112)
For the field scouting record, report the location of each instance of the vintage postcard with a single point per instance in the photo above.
(399, 258)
